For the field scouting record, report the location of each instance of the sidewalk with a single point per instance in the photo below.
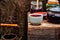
(41, 33)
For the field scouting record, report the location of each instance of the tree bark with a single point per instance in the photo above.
(22, 18)
(14, 11)
(44, 5)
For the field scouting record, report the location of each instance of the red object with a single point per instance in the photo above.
(35, 15)
(44, 13)
(41, 12)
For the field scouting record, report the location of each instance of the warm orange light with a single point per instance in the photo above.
(53, 2)
(11, 25)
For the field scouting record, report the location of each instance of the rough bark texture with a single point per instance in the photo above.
(14, 11)
(25, 7)
(8, 9)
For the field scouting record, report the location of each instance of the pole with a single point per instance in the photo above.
(37, 4)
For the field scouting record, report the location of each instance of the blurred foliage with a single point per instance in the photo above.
(50, 5)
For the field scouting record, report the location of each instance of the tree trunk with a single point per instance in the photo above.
(44, 5)
(59, 1)
(22, 18)
(14, 11)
